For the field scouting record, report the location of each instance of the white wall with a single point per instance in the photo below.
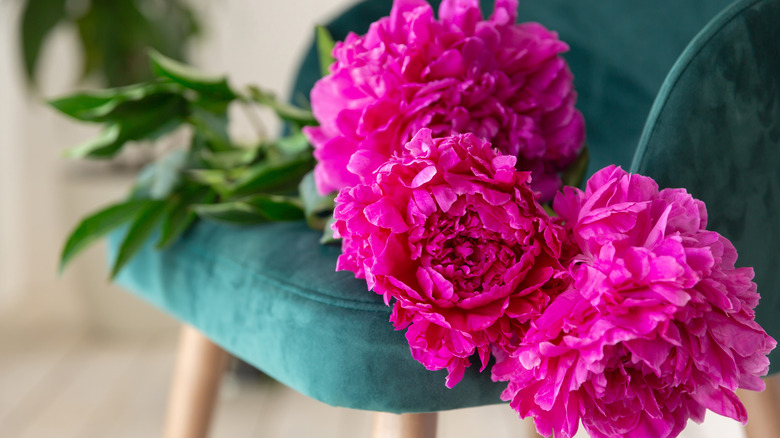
(31, 135)
(10, 102)
(41, 194)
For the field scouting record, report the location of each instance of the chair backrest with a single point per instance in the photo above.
(715, 130)
(620, 53)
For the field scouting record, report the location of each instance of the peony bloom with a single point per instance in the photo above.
(657, 327)
(501, 81)
(451, 233)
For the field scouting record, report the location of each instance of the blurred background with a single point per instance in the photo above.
(79, 357)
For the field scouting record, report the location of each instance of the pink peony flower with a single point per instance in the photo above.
(502, 81)
(657, 327)
(452, 232)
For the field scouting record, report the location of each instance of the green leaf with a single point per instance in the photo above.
(140, 231)
(325, 46)
(114, 35)
(213, 86)
(215, 178)
(574, 175)
(38, 19)
(277, 208)
(198, 144)
(285, 111)
(158, 179)
(143, 107)
(327, 233)
(253, 210)
(294, 144)
(96, 226)
(318, 208)
(269, 176)
(102, 105)
(180, 214)
(230, 159)
(146, 123)
(105, 145)
(83, 105)
(213, 128)
(211, 104)
(234, 213)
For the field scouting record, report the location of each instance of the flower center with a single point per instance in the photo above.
(470, 257)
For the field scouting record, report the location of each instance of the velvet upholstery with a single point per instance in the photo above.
(269, 295)
(715, 130)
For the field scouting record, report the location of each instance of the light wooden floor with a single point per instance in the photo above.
(68, 384)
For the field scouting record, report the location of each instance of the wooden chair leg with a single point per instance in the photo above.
(195, 385)
(763, 409)
(404, 426)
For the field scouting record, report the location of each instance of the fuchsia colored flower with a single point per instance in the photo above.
(657, 327)
(501, 81)
(452, 232)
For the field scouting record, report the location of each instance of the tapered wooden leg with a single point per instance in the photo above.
(195, 385)
(763, 409)
(404, 426)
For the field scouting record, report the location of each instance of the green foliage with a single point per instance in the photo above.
(113, 104)
(293, 145)
(215, 87)
(39, 17)
(254, 210)
(288, 113)
(159, 179)
(230, 159)
(141, 228)
(277, 207)
(318, 208)
(98, 225)
(211, 126)
(273, 176)
(141, 120)
(139, 112)
(114, 34)
(181, 213)
(210, 176)
(327, 233)
(325, 46)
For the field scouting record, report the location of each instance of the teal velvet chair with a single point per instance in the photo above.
(269, 294)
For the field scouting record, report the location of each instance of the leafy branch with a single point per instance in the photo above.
(211, 176)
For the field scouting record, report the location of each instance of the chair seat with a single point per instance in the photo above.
(269, 294)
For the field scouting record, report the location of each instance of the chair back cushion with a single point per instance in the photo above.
(715, 130)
